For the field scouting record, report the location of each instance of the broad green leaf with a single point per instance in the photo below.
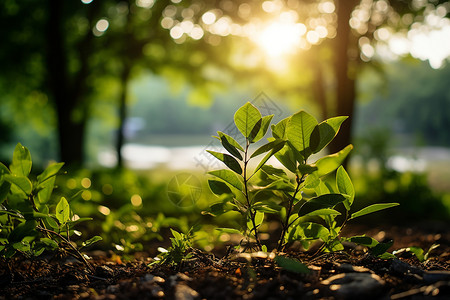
(280, 185)
(229, 177)
(345, 186)
(287, 158)
(254, 131)
(63, 211)
(49, 243)
(274, 150)
(230, 145)
(321, 202)
(22, 230)
(292, 265)
(381, 248)
(21, 182)
(228, 230)
(91, 241)
(4, 185)
(218, 187)
(21, 163)
(270, 170)
(364, 241)
(265, 122)
(45, 190)
(311, 231)
(218, 209)
(299, 130)
(228, 160)
(246, 118)
(267, 147)
(50, 172)
(324, 133)
(312, 181)
(331, 162)
(372, 208)
(305, 169)
(279, 130)
(323, 212)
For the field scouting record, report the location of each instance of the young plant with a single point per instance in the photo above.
(178, 252)
(29, 222)
(298, 193)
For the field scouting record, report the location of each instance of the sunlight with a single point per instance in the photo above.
(280, 38)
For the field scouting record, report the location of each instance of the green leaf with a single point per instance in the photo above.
(274, 150)
(345, 186)
(229, 177)
(63, 211)
(311, 231)
(372, 208)
(305, 169)
(49, 243)
(22, 182)
(265, 122)
(279, 130)
(287, 158)
(230, 145)
(91, 241)
(323, 212)
(218, 187)
(381, 248)
(50, 172)
(269, 146)
(280, 185)
(321, 202)
(21, 163)
(228, 160)
(22, 230)
(324, 133)
(331, 162)
(292, 265)
(299, 130)
(254, 132)
(364, 241)
(4, 185)
(246, 118)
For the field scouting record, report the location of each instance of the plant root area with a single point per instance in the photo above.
(350, 274)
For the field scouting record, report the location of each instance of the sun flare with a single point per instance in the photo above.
(280, 38)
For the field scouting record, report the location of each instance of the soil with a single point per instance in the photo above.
(351, 274)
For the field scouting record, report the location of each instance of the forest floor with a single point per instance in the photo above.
(351, 274)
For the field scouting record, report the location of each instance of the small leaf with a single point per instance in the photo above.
(91, 241)
(325, 132)
(372, 208)
(311, 231)
(323, 212)
(321, 202)
(4, 185)
(274, 150)
(287, 158)
(50, 172)
(292, 265)
(230, 145)
(22, 230)
(229, 177)
(246, 118)
(63, 211)
(280, 185)
(381, 248)
(267, 147)
(49, 243)
(364, 241)
(228, 160)
(21, 163)
(254, 132)
(305, 169)
(299, 130)
(331, 162)
(345, 186)
(265, 122)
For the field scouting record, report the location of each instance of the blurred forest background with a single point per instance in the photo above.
(128, 94)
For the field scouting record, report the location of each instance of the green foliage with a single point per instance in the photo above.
(178, 252)
(29, 222)
(302, 197)
(420, 253)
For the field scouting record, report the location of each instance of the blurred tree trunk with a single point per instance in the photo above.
(68, 92)
(124, 79)
(345, 74)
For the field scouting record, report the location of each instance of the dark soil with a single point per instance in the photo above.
(352, 274)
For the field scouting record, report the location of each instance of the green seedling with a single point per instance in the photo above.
(419, 252)
(30, 222)
(305, 196)
(178, 252)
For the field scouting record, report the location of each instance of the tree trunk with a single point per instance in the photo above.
(122, 113)
(345, 77)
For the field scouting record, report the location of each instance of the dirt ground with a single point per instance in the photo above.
(351, 274)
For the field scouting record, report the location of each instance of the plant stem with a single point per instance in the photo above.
(286, 224)
(250, 209)
(76, 253)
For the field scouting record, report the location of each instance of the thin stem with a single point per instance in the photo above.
(76, 253)
(251, 211)
(288, 213)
